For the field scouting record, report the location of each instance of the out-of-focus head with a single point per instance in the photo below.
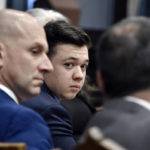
(123, 54)
(68, 45)
(23, 48)
(45, 15)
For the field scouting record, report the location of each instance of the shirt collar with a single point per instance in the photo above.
(9, 92)
(139, 101)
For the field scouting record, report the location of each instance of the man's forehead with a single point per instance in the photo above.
(72, 53)
(76, 59)
(42, 44)
(70, 47)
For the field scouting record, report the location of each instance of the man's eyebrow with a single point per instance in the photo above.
(74, 58)
(40, 45)
(70, 58)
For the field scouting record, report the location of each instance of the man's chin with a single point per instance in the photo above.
(29, 94)
(69, 97)
(36, 91)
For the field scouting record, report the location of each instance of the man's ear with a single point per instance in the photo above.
(1, 54)
(100, 81)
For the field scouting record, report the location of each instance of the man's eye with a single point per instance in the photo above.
(68, 65)
(84, 67)
(35, 51)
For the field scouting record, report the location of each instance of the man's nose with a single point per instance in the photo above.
(78, 73)
(46, 65)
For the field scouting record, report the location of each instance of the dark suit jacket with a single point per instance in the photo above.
(20, 124)
(56, 116)
(125, 122)
(81, 112)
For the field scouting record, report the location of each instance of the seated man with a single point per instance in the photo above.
(123, 59)
(68, 46)
(23, 62)
(79, 103)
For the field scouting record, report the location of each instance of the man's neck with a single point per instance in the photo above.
(144, 94)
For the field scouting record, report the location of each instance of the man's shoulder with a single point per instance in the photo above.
(13, 110)
(14, 115)
(122, 105)
(42, 103)
(42, 100)
(124, 124)
(116, 112)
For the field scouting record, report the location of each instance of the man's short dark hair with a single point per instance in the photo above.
(123, 57)
(60, 32)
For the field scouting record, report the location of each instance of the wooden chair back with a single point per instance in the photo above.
(12, 146)
(94, 140)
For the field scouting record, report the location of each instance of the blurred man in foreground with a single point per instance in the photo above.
(123, 73)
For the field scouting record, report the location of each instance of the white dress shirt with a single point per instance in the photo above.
(9, 92)
(139, 101)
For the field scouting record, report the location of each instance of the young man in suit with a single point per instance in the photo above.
(68, 46)
(23, 62)
(123, 73)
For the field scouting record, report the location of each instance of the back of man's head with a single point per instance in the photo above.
(123, 57)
